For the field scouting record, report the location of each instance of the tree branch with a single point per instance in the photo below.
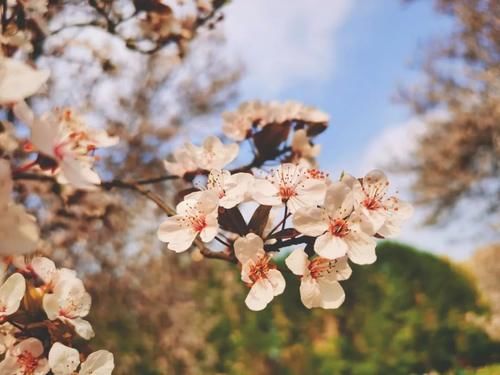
(136, 186)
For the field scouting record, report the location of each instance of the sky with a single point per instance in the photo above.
(348, 57)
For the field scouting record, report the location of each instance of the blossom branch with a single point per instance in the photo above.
(136, 186)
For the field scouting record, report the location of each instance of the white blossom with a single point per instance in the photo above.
(18, 229)
(293, 185)
(230, 189)
(378, 213)
(42, 267)
(65, 139)
(195, 215)
(64, 360)
(26, 358)
(7, 338)
(319, 286)
(258, 272)
(237, 124)
(185, 161)
(212, 154)
(18, 80)
(11, 294)
(302, 146)
(337, 228)
(69, 303)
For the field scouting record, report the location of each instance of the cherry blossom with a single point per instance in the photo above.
(230, 189)
(41, 267)
(195, 215)
(337, 227)
(302, 146)
(69, 303)
(7, 338)
(293, 185)
(378, 213)
(26, 358)
(64, 360)
(66, 145)
(18, 229)
(212, 154)
(238, 124)
(319, 286)
(11, 294)
(185, 161)
(258, 272)
(18, 80)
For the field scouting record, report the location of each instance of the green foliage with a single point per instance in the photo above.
(405, 314)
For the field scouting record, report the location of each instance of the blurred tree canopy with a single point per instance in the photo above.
(143, 70)
(459, 100)
(404, 314)
(486, 269)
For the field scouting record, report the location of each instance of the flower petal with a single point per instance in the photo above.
(330, 247)
(100, 362)
(178, 236)
(309, 293)
(310, 221)
(361, 248)
(82, 328)
(331, 294)
(297, 262)
(63, 360)
(277, 281)
(248, 247)
(260, 295)
(11, 293)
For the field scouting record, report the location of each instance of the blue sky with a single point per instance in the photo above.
(347, 57)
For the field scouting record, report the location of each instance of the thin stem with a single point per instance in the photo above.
(285, 216)
(4, 15)
(26, 167)
(277, 226)
(222, 241)
(156, 179)
(17, 325)
(170, 211)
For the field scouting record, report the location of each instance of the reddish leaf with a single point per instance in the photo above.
(259, 219)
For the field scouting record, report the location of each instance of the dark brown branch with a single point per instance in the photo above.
(302, 240)
(136, 186)
(4, 15)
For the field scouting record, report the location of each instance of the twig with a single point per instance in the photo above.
(135, 186)
(277, 226)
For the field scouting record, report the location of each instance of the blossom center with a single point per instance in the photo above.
(316, 174)
(28, 362)
(372, 203)
(260, 269)
(320, 267)
(198, 223)
(287, 192)
(339, 228)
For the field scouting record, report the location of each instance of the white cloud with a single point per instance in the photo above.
(457, 239)
(283, 42)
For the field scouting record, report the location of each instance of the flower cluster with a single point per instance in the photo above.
(326, 223)
(323, 223)
(42, 308)
(18, 229)
(251, 116)
(65, 145)
(41, 311)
